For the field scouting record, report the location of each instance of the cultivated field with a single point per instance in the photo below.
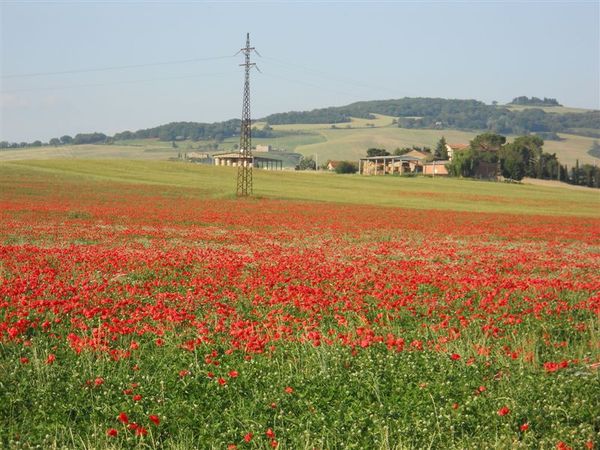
(548, 109)
(143, 306)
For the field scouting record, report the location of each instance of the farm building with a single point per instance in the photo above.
(263, 148)
(235, 158)
(197, 157)
(435, 168)
(331, 165)
(452, 148)
(383, 165)
(421, 156)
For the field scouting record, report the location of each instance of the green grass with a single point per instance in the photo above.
(389, 191)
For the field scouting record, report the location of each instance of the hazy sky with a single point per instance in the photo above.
(314, 54)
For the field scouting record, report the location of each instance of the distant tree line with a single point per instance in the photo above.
(171, 132)
(450, 113)
(534, 101)
(81, 138)
(323, 115)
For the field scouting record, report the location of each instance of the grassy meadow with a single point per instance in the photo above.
(392, 191)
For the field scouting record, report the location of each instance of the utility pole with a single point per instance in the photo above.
(244, 175)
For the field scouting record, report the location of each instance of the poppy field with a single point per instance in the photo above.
(155, 316)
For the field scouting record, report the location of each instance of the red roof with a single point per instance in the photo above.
(458, 146)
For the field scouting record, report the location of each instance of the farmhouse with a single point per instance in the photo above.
(331, 165)
(383, 165)
(452, 148)
(235, 159)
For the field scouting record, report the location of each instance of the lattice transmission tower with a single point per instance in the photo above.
(244, 174)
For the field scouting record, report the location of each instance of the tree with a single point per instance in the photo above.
(377, 152)
(488, 142)
(441, 152)
(346, 167)
(66, 139)
(307, 163)
(55, 142)
(36, 144)
(512, 162)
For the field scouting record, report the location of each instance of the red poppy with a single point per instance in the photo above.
(454, 356)
(524, 427)
(123, 418)
(503, 411)
(270, 433)
(233, 373)
(289, 390)
(248, 437)
(154, 419)
(111, 432)
(136, 397)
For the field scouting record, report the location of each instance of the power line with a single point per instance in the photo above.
(104, 69)
(329, 76)
(75, 86)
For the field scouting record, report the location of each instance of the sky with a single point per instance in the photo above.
(77, 67)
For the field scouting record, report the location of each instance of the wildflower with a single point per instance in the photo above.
(112, 432)
(270, 434)
(141, 431)
(123, 418)
(184, 373)
(99, 381)
(248, 437)
(274, 443)
(454, 405)
(503, 411)
(51, 358)
(289, 390)
(137, 397)
(154, 419)
(233, 373)
(455, 357)
(24, 360)
(524, 427)
(222, 381)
